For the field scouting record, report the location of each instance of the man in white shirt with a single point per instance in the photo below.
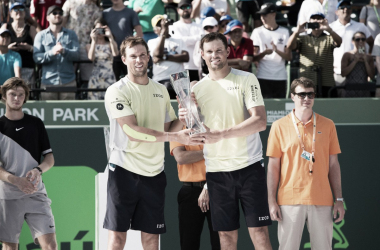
(346, 28)
(168, 54)
(270, 51)
(327, 7)
(189, 32)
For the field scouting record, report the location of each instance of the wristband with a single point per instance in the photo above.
(39, 169)
(205, 186)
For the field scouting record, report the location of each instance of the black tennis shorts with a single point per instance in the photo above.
(226, 189)
(135, 202)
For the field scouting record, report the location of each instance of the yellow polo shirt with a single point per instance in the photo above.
(150, 104)
(224, 104)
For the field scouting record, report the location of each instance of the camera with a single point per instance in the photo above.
(312, 26)
(101, 31)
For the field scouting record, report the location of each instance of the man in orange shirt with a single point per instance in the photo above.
(304, 168)
(193, 199)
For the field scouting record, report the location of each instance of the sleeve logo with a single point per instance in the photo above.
(119, 106)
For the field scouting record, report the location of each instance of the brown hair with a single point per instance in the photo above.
(305, 82)
(358, 32)
(212, 37)
(130, 42)
(12, 83)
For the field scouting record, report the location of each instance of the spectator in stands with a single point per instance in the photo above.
(122, 21)
(326, 7)
(101, 51)
(246, 9)
(241, 49)
(38, 10)
(346, 28)
(369, 15)
(5, 16)
(80, 15)
(223, 21)
(210, 24)
(207, 12)
(376, 52)
(357, 65)
(10, 61)
(269, 41)
(146, 11)
(221, 7)
(56, 48)
(22, 38)
(189, 32)
(316, 52)
(168, 54)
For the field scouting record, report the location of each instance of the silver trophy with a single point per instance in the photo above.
(181, 85)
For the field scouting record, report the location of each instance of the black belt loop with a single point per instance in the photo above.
(194, 184)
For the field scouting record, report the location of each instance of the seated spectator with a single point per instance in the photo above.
(101, 51)
(224, 20)
(79, 16)
(56, 48)
(376, 52)
(326, 7)
(168, 54)
(357, 66)
(316, 52)
(369, 15)
(146, 11)
(269, 41)
(122, 21)
(246, 9)
(346, 28)
(210, 24)
(189, 32)
(38, 10)
(22, 38)
(241, 49)
(10, 61)
(221, 7)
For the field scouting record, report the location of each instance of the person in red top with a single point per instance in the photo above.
(38, 11)
(241, 48)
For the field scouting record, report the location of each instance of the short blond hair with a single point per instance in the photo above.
(13, 83)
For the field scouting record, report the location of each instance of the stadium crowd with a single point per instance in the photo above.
(60, 45)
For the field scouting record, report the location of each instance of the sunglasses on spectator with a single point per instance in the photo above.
(18, 9)
(360, 39)
(208, 27)
(185, 7)
(303, 95)
(344, 7)
(60, 13)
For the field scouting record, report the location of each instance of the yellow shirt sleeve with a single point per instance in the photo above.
(117, 103)
(252, 92)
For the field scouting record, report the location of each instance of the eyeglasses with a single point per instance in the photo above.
(60, 13)
(360, 39)
(344, 7)
(208, 27)
(18, 10)
(186, 7)
(303, 95)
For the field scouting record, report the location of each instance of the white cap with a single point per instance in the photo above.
(209, 21)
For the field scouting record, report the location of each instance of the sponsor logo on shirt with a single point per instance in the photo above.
(232, 88)
(254, 90)
(160, 225)
(280, 41)
(120, 106)
(158, 95)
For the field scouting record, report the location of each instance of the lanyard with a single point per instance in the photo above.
(377, 14)
(301, 142)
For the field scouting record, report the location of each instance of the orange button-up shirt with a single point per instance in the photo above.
(193, 172)
(296, 186)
